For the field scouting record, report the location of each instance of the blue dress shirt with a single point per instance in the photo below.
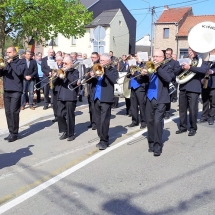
(153, 88)
(98, 89)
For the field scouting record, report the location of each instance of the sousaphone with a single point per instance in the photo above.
(201, 39)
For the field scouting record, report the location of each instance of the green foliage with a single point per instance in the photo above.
(44, 18)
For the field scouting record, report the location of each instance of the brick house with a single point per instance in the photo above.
(172, 28)
(167, 27)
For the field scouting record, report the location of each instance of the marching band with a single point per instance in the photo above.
(145, 85)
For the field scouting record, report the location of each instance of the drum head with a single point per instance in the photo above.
(126, 91)
(201, 37)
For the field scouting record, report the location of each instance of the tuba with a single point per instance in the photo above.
(201, 39)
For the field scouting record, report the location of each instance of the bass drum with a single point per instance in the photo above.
(121, 88)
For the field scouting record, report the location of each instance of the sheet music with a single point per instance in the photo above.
(88, 63)
(184, 60)
(52, 64)
(212, 58)
(142, 56)
(132, 62)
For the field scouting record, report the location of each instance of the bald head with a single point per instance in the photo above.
(51, 52)
(158, 56)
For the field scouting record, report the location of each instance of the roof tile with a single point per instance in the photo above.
(191, 21)
(173, 14)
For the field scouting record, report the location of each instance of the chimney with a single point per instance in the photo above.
(166, 7)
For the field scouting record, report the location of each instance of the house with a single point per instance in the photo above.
(144, 44)
(115, 20)
(167, 27)
(173, 26)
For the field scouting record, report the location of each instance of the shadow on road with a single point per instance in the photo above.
(10, 159)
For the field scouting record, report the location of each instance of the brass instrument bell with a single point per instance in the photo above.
(2, 63)
(98, 69)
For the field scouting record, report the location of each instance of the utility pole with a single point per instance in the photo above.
(152, 31)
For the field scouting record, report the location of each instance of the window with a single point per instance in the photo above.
(73, 41)
(183, 53)
(120, 23)
(166, 33)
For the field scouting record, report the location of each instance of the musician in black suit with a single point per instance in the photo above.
(30, 75)
(138, 85)
(12, 75)
(156, 99)
(189, 94)
(47, 73)
(67, 100)
(103, 94)
(124, 67)
(175, 68)
(59, 61)
(95, 59)
(208, 98)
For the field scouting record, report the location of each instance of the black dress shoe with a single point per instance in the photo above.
(94, 128)
(98, 144)
(150, 150)
(89, 126)
(54, 120)
(143, 126)
(211, 121)
(202, 120)
(6, 138)
(45, 107)
(132, 125)
(174, 100)
(192, 133)
(71, 138)
(63, 136)
(103, 146)
(167, 116)
(156, 154)
(129, 115)
(180, 131)
(12, 138)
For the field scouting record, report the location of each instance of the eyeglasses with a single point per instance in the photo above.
(65, 63)
(157, 56)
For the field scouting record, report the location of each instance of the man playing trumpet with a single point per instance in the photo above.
(13, 85)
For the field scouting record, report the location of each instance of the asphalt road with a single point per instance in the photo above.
(39, 174)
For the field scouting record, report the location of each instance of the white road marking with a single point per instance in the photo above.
(68, 172)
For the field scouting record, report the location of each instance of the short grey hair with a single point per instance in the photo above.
(106, 55)
(74, 53)
(59, 58)
(69, 58)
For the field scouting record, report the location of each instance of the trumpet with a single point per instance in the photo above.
(2, 63)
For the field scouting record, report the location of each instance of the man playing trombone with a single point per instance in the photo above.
(67, 99)
(156, 99)
(102, 95)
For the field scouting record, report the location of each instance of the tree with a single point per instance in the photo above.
(42, 19)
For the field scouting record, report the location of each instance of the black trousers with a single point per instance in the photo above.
(115, 102)
(12, 101)
(38, 85)
(188, 100)
(46, 91)
(173, 96)
(128, 105)
(92, 112)
(102, 117)
(208, 99)
(138, 100)
(54, 99)
(154, 118)
(66, 117)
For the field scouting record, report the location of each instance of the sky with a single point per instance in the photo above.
(140, 10)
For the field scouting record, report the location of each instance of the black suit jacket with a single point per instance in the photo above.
(13, 75)
(45, 68)
(109, 79)
(194, 84)
(176, 68)
(64, 93)
(122, 67)
(32, 70)
(213, 76)
(165, 75)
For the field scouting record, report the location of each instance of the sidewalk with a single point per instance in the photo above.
(28, 116)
